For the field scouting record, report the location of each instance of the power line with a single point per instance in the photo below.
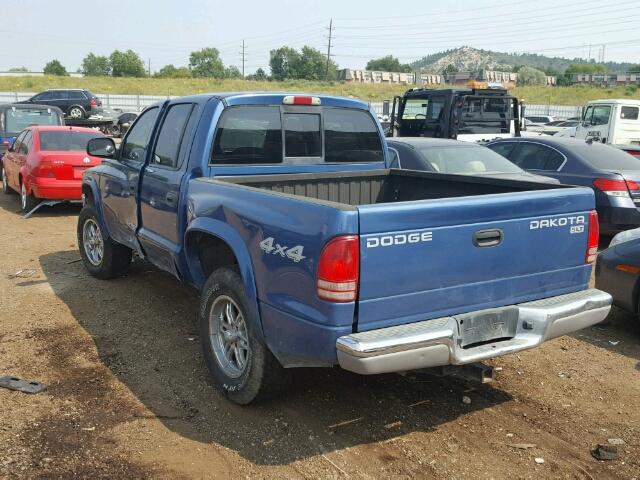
(243, 57)
(326, 74)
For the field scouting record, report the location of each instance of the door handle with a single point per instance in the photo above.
(152, 202)
(488, 238)
(149, 170)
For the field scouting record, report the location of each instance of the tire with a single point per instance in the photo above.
(5, 183)
(27, 201)
(260, 375)
(76, 111)
(102, 257)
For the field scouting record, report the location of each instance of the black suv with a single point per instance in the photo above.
(75, 103)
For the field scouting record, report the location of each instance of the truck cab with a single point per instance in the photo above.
(616, 122)
(467, 114)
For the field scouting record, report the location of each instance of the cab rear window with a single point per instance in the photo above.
(16, 120)
(254, 135)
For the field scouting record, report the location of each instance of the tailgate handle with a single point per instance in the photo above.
(488, 238)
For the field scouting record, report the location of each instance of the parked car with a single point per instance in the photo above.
(454, 157)
(618, 270)
(74, 102)
(539, 119)
(16, 117)
(309, 251)
(47, 163)
(613, 174)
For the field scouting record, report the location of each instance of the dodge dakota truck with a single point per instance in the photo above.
(309, 252)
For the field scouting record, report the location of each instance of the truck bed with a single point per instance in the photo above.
(383, 186)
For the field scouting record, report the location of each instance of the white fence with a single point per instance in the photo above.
(135, 103)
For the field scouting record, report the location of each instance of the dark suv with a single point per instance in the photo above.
(75, 103)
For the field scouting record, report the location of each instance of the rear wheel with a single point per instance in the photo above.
(5, 183)
(76, 112)
(240, 364)
(27, 201)
(102, 257)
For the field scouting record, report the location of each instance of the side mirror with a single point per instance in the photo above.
(102, 147)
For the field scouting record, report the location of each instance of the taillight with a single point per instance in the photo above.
(44, 169)
(615, 188)
(635, 153)
(93, 102)
(338, 269)
(592, 240)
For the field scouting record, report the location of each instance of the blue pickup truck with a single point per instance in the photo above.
(309, 252)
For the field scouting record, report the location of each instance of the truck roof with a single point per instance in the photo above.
(458, 91)
(271, 98)
(617, 101)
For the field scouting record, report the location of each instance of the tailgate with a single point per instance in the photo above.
(432, 258)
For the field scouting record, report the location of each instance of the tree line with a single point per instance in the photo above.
(285, 63)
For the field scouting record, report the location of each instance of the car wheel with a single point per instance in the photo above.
(102, 257)
(241, 365)
(5, 183)
(76, 112)
(27, 201)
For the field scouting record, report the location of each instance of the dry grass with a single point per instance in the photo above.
(377, 92)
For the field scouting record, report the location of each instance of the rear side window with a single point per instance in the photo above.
(248, 135)
(65, 141)
(554, 161)
(302, 136)
(171, 133)
(26, 143)
(505, 149)
(629, 113)
(530, 156)
(351, 136)
(74, 95)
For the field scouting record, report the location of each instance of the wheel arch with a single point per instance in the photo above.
(210, 244)
(91, 196)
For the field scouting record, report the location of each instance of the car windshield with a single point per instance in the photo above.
(65, 141)
(16, 120)
(466, 160)
(604, 157)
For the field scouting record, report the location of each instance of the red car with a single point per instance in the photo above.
(46, 163)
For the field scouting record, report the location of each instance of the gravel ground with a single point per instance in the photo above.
(128, 394)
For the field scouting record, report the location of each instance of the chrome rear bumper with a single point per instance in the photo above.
(441, 341)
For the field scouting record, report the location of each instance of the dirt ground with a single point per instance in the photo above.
(128, 395)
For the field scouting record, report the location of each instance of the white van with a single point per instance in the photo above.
(616, 122)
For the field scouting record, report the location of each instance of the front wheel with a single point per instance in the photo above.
(240, 364)
(102, 257)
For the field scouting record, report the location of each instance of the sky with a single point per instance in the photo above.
(166, 31)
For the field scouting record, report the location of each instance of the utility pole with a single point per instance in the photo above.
(149, 66)
(243, 57)
(589, 59)
(603, 45)
(326, 73)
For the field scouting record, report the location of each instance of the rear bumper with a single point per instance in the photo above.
(617, 218)
(53, 189)
(440, 341)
